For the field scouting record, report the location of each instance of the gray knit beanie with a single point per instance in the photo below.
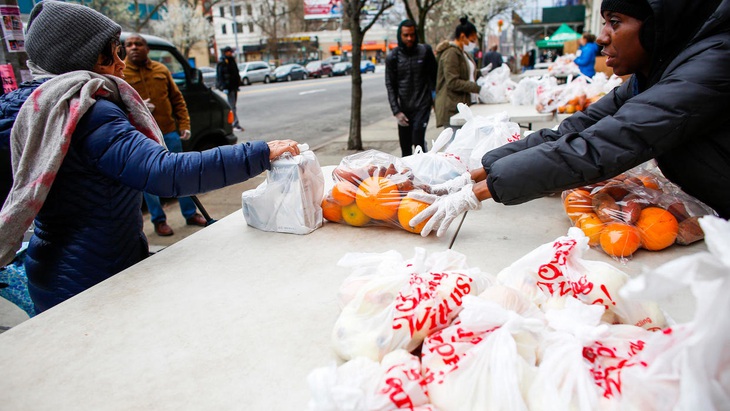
(63, 37)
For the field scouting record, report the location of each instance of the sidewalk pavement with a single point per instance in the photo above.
(381, 135)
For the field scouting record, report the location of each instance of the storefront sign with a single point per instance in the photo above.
(322, 9)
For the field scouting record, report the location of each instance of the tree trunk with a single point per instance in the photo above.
(355, 140)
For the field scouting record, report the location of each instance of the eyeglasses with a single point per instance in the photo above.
(121, 52)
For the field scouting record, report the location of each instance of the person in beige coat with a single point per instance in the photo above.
(457, 72)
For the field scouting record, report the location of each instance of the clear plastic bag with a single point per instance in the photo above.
(498, 84)
(289, 201)
(389, 302)
(370, 189)
(637, 209)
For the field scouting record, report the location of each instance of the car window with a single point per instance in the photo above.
(168, 59)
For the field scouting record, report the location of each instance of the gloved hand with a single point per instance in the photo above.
(443, 210)
(453, 185)
(185, 135)
(402, 119)
(486, 69)
(150, 106)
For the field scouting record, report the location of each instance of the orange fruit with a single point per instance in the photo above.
(343, 193)
(658, 228)
(408, 209)
(353, 216)
(378, 198)
(620, 240)
(578, 202)
(331, 211)
(569, 109)
(592, 227)
(649, 182)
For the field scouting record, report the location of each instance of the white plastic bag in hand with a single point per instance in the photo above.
(480, 134)
(364, 385)
(443, 209)
(435, 167)
(395, 303)
(290, 200)
(688, 365)
(485, 361)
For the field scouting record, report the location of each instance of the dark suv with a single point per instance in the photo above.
(210, 115)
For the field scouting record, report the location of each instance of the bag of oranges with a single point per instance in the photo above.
(370, 189)
(637, 209)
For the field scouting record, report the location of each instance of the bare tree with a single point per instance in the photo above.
(273, 21)
(417, 10)
(353, 13)
(141, 14)
(442, 22)
(183, 26)
(117, 10)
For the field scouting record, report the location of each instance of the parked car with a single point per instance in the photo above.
(318, 69)
(335, 59)
(209, 75)
(211, 118)
(342, 69)
(255, 72)
(289, 72)
(367, 65)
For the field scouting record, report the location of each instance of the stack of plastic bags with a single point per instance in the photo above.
(551, 332)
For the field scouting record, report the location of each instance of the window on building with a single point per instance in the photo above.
(250, 27)
(223, 29)
(223, 11)
(239, 27)
(249, 10)
(237, 10)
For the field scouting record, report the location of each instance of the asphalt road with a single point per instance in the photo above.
(311, 111)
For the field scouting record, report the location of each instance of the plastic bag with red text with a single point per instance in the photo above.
(637, 209)
(389, 302)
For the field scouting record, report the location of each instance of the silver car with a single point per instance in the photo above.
(255, 71)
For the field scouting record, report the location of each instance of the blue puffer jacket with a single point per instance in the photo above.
(9, 106)
(586, 62)
(90, 226)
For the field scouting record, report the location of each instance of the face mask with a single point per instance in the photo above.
(470, 47)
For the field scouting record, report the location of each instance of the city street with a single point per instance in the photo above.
(311, 111)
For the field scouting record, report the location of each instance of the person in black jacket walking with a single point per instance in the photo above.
(672, 109)
(228, 79)
(410, 78)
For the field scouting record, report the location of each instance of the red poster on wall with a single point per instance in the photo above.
(8, 77)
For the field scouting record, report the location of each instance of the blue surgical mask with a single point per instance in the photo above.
(470, 47)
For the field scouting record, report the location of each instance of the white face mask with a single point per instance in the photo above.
(470, 47)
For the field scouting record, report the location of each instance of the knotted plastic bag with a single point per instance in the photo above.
(390, 302)
(290, 199)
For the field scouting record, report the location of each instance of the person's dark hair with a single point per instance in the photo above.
(465, 27)
(589, 37)
(408, 23)
(108, 52)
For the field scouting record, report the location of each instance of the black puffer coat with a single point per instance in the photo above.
(679, 116)
(410, 77)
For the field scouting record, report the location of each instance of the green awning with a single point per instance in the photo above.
(561, 35)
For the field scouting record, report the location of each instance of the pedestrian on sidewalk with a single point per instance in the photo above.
(155, 85)
(457, 72)
(84, 147)
(492, 57)
(410, 78)
(672, 110)
(228, 80)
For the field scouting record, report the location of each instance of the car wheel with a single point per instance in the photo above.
(267, 80)
(329, 74)
(288, 77)
(304, 76)
(245, 81)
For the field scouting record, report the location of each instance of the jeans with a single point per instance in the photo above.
(232, 98)
(414, 134)
(187, 206)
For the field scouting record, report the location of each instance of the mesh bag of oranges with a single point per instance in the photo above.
(370, 189)
(636, 209)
